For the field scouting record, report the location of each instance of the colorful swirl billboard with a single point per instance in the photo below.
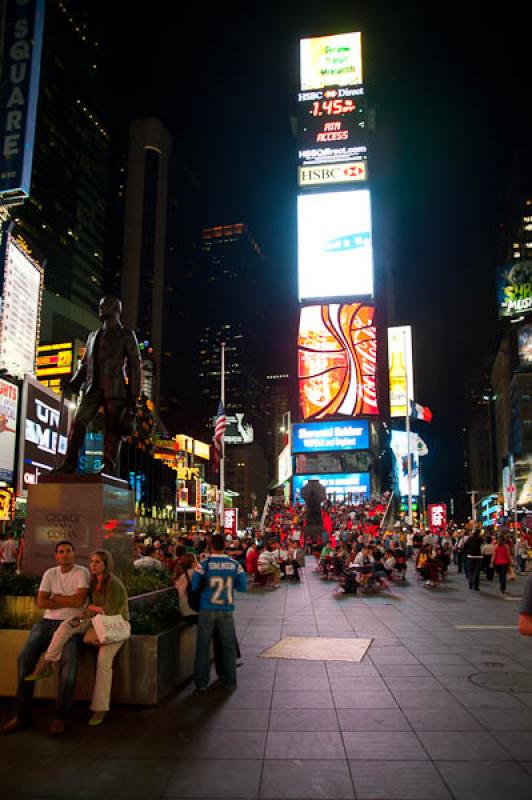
(337, 359)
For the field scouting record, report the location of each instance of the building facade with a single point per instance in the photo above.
(65, 218)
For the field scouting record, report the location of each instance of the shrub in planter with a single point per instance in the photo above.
(160, 616)
(18, 585)
(142, 581)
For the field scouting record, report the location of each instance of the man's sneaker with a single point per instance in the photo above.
(15, 724)
(230, 688)
(202, 688)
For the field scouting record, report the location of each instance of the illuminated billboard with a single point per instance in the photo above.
(23, 23)
(337, 361)
(57, 361)
(343, 486)
(401, 369)
(324, 174)
(515, 289)
(524, 342)
(331, 126)
(193, 446)
(285, 466)
(334, 245)
(43, 436)
(21, 309)
(315, 437)
(399, 445)
(8, 428)
(331, 60)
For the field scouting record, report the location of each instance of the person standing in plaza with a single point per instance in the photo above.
(216, 577)
(62, 593)
(9, 551)
(521, 553)
(501, 560)
(474, 558)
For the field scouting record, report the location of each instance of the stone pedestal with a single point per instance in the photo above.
(92, 511)
(314, 531)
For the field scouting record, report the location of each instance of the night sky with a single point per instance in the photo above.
(451, 95)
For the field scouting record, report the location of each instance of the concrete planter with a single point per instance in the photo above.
(146, 670)
(22, 609)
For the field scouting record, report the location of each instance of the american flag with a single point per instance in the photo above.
(218, 438)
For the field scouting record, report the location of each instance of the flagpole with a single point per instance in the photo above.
(221, 500)
(407, 427)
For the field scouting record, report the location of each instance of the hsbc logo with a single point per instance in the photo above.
(332, 173)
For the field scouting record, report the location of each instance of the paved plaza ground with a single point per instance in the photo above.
(440, 707)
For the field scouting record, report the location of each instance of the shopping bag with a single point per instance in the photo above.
(111, 628)
(511, 574)
(289, 570)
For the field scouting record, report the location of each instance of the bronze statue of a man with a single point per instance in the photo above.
(112, 354)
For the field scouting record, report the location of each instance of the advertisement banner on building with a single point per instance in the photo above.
(337, 361)
(21, 292)
(515, 289)
(348, 487)
(523, 479)
(42, 433)
(331, 60)
(285, 468)
(332, 126)
(437, 517)
(21, 63)
(239, 430)
(8, 429)
(7, 505)
(317, 437)
(334, 244)
(324, 174)
(231, 521)
(186, 444)
(401, 369)
(58, 361)
(399, 445)
(524, 345)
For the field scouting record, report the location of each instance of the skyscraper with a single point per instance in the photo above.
(230, 265)
(64, 219)
(144, 251)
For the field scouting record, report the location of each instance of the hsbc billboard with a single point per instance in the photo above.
(332, 173)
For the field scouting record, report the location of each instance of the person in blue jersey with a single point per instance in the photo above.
(217, 577)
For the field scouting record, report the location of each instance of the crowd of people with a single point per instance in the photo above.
(206, 569)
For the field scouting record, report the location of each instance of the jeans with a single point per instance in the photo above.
(223, 624)
(39, 639)
(502, 569)
(475, 565)
(104, 662)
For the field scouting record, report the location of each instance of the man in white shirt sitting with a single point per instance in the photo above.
(62, 593)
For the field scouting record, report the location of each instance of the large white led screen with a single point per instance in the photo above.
(335, 253)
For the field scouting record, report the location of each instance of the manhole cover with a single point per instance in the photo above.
(503, 681)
